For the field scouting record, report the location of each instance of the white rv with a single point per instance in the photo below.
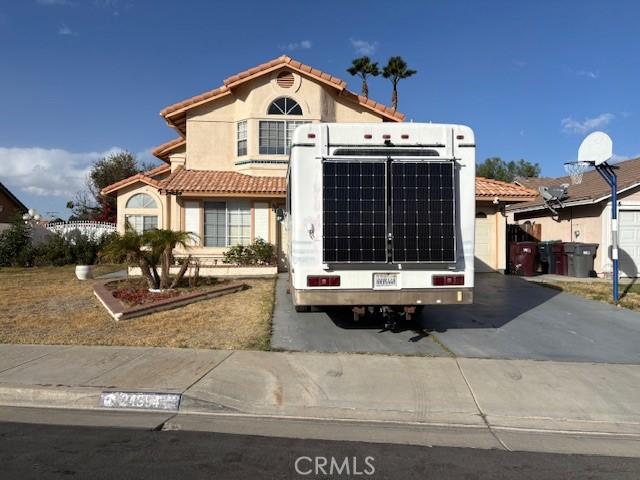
(381, 215)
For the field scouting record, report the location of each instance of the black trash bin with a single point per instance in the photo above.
(545, 252)
(569, 250)
(583, 257)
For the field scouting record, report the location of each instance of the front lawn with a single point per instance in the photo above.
(49, 305)
(600, 291)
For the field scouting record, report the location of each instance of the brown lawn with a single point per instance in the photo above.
(601, 291)
(50, 306)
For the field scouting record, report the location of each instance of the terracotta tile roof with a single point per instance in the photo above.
(162, 151)
(147, 177)
(593, 187)
(223, 182)
(490, 188)
(173, 113)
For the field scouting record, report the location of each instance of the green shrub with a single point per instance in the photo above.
(15, 245)
(259, 252)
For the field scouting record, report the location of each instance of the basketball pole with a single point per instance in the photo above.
(608, 173)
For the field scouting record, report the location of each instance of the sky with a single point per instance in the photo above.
(82, 78)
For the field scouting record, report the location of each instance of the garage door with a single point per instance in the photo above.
(485, 242)
(629, 226)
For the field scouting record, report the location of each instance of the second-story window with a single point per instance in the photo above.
(242, 138)
(274, 137)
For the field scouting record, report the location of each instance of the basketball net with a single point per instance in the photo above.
(576, 170)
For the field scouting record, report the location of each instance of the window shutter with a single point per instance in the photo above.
(192, 219)
(261, 221)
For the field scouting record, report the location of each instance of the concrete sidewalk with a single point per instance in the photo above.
(511, 404)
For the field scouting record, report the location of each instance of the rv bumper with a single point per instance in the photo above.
(431, 296)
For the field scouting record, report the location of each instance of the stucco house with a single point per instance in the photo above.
(10, 206)
(585, 215)
(224, 175)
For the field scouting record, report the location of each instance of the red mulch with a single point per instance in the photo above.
(136, 292)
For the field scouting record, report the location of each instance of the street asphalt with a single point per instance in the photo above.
(48, 452)
(511, 318)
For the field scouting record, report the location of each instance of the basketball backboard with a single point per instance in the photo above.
(597, 147)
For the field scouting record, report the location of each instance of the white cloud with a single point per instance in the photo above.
(51, 3)
(588, 74)
(48, 171)
(303, 44)
(570, 125)
(64, 30)
(363, 47)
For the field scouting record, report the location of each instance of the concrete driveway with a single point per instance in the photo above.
(511, 318)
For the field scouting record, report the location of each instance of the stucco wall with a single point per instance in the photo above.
(126, 193)
(495, 223)
(211, 128)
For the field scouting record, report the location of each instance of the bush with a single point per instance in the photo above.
(57, 252)
(18, 250)
(257, 253)
(15, 245)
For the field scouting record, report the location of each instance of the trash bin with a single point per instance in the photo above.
(583, 257)
(545, 253)
(558, 263)
(523, 257)
(569, 250)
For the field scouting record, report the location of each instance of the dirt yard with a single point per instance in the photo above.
(50, 306)
(601, 291)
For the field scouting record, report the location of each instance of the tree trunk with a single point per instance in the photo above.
(394, 97)
(146, 273)
(166, 266)
(181, 273)
(365, 88)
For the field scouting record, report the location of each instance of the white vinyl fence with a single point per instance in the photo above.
(88, 228)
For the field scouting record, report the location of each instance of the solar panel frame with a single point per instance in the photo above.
(447, 230)
(344, 240)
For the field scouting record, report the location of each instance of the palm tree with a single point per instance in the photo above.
(162, 243)
(130, 248)
(147, 251)
(395, 70)
(363, 67)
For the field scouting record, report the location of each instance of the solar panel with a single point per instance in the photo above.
(354, 211)
(423, 212)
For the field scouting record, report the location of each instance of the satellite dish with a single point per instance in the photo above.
(597, 147)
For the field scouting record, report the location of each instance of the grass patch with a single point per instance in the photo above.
(49, 305)
(600, 291)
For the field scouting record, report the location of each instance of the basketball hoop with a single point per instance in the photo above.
(577, 169)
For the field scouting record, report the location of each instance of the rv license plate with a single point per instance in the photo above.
(383, 281)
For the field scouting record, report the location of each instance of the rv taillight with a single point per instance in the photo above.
(386, 136)
(404, 136)
(460, 137)
(311, 135)
(447, 280)
(368, 136)
(323, 280)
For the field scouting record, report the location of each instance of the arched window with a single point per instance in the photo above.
(141, 200)
(284, 106)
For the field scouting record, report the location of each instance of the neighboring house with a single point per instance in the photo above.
(225, 173)
(10, 206)
(585, 215)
